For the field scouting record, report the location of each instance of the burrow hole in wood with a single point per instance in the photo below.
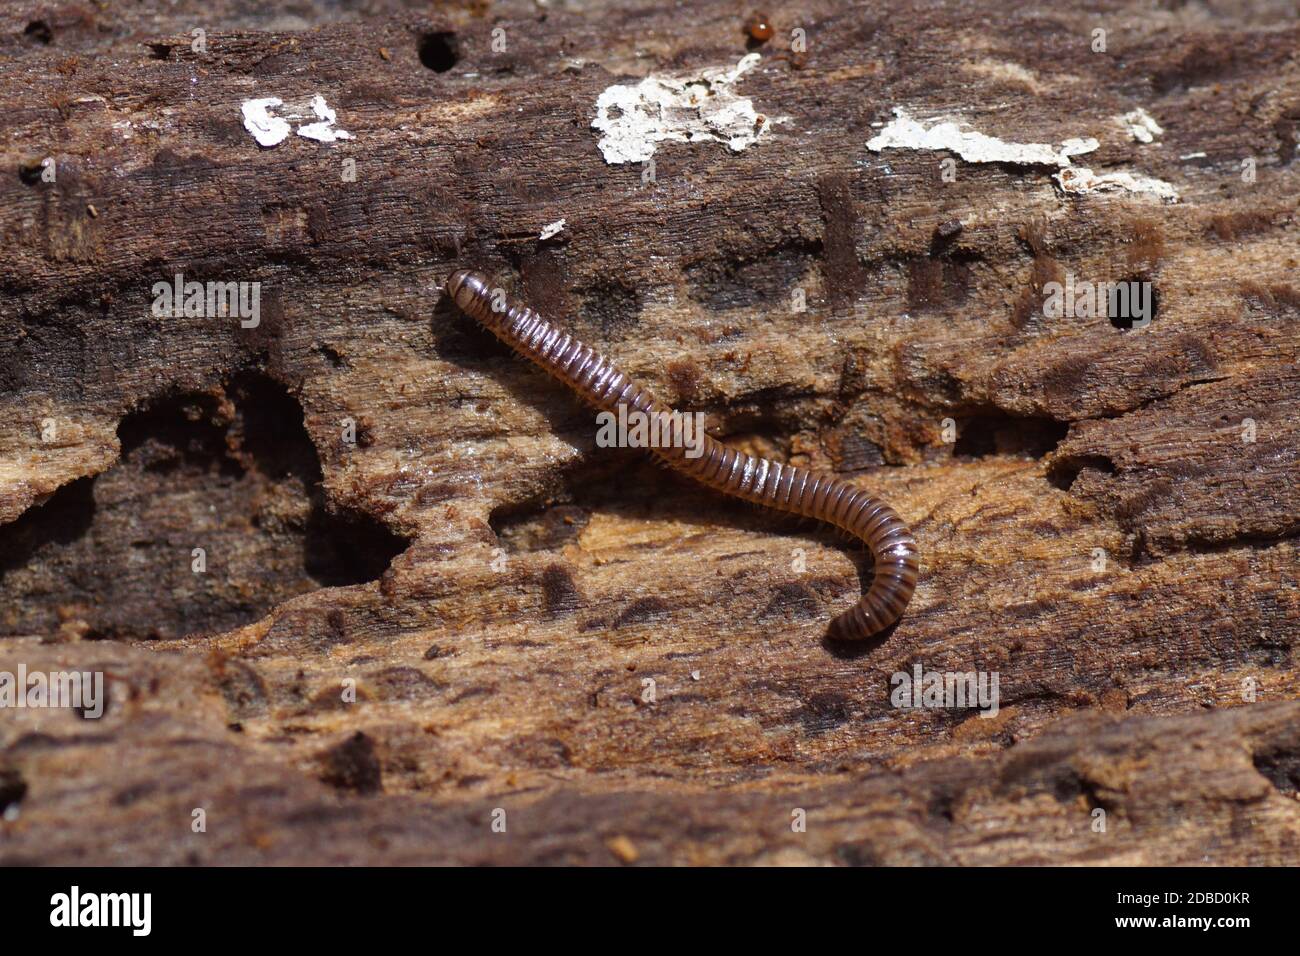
(439, 51)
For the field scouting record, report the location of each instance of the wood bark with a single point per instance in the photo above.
(389, 504)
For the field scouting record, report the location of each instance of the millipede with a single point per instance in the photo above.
(784, 487)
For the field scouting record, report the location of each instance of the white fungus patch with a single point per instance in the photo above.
(271, 130)
(1140, 125)
(268, 130)
(553, 229)
(1080, 179)
(904, 132)
(633, 120)
(323, 130)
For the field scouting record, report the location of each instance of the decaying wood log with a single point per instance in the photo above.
(357, 577)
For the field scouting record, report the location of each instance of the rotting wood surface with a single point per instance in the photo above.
(631, 667)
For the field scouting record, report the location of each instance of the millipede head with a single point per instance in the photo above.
(466, 287)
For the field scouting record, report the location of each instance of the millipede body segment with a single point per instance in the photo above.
(784, 487)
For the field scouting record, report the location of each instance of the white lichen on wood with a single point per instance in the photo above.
(681, 108)
(1140, 125)
(271, 130)
(268, 130)
(904, 132)
(323, 129)
(1080, 180)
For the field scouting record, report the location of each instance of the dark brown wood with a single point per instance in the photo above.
(1107, 515)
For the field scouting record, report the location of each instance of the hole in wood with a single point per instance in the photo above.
(1122, 318)
(1063, 472)
(234, 475)
(39, 31)
(999, 433)
(438, 51)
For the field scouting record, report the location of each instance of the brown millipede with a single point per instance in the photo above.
(784, 487)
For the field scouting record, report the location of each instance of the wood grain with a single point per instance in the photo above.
(1108, 515)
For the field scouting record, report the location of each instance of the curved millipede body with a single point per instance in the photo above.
(785, 487)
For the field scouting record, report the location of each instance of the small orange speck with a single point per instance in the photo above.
(623, 848)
